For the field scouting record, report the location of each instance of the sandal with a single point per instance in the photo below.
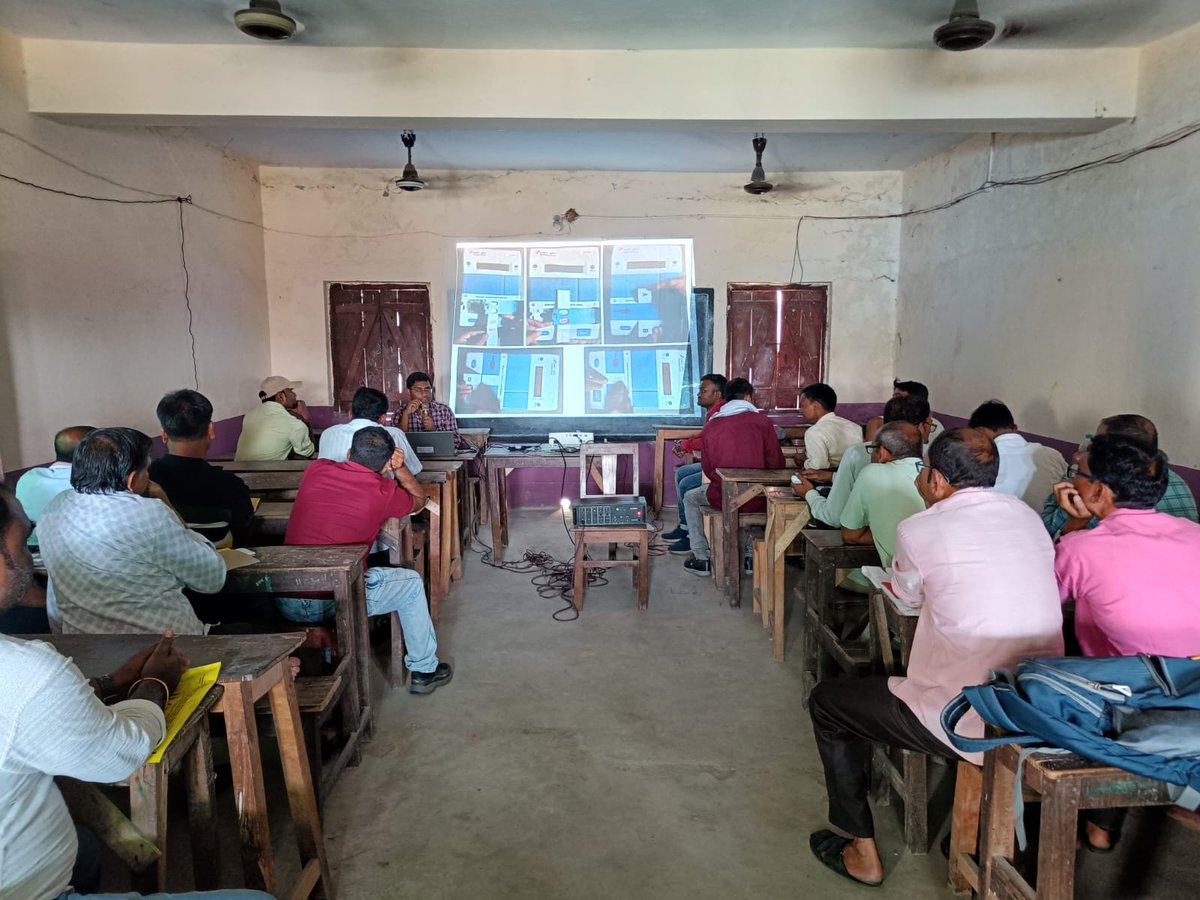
(828, 848)
(1113, 837)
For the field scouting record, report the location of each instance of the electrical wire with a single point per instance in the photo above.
(187, 299)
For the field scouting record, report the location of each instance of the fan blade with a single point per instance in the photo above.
(1086, 20)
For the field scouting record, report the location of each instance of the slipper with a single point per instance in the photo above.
(828, 848)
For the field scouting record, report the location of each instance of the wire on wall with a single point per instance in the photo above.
(187, 299)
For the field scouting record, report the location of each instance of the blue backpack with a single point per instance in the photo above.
(1138, 713)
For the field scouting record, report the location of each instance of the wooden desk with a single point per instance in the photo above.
(662, 434)
(738, 487)
(336, 570)
(825, 552)
(274, 484)
(498, 465)
(787, 514)
(478, 439)
(263, 465)
(252, 666)
(440, 482)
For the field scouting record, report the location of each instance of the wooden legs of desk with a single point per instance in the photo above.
(148, 812)
(731, 575)
(659, 471)
(202, 812)
(996, 813)
(245, 758)
(498, 503)
(350, 607)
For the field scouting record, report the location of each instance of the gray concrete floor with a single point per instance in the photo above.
(657, 754)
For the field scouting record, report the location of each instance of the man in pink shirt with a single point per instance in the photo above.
(980, 566)
(1132, 577)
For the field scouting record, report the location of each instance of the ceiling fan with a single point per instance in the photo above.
(967, 29)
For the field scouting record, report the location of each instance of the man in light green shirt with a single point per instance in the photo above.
(278, 426)
(885, 492)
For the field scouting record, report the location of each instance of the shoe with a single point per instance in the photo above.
(677, 535)
(428, 682)
(681, 548)
(747, 567)
(701, 567)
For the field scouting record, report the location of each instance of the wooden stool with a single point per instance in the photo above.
(611, 535)
(1065, 784)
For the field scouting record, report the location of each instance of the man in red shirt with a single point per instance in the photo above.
(740, 436)
(346, 503)
(688, 476)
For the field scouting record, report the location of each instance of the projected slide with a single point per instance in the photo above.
(508, 381)
(634, 381)
(491, 303)
(573, 328)
(564, 295)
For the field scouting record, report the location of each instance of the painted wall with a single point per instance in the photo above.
(93, 324)
(1071, 300)
(335, 225)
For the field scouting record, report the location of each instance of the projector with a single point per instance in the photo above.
(614, 510)
(569, 440)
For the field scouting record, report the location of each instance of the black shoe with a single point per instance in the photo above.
(682, 547)
(677, 535)
(428, 682)
(701, 567)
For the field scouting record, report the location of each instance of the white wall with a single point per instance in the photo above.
(1072, 300)
(93, 326)
(365, 236)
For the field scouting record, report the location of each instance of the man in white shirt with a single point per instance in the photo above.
(972, 621)
(37, 487)
(369, 407)
(828, 436)
(1027, 470)
(278, 427)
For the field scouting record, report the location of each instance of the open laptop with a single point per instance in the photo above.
(432, 443)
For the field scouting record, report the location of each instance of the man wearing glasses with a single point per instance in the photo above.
(980, 566)
(423, 413)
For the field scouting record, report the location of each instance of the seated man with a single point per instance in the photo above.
(53, 721)
(118, 555)
(908, 389)
(690, 476)
(423, 413)
(738, 436)
(1027, 469)
(828, 436)
(39, 486)
(885, 494)
(278, 427)
(1132, 576)
(200, 493)
(828, 509)
(1176, 501)
(369, 407)
(947, 563)
(347, 503)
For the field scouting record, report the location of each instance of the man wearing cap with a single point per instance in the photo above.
(278, 427)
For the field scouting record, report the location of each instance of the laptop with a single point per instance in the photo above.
(432, 443)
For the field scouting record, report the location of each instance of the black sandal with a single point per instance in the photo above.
(829, 848)
(1114, 835)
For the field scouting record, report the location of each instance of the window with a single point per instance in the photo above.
(775, 337)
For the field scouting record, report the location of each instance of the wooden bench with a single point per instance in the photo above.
(739, 487)
(787, 515)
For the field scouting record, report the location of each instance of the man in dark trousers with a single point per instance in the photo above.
(738, 435)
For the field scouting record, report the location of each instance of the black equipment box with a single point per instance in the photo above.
(609, 511)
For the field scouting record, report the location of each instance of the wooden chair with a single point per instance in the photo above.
(600, 461)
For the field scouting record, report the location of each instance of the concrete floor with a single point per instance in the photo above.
(658, 754)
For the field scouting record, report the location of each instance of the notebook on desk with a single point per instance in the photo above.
(432, 443)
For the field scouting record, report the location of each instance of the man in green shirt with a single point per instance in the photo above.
(885, 492)
(278, 427)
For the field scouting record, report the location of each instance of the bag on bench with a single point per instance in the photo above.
(1138, 713)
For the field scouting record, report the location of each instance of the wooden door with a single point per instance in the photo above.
(378, 333)
(775, 337)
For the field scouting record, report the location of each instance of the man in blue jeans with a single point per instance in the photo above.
(346, 503)
(689, 476)
(53, 721)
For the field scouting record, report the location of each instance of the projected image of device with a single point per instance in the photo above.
(491, 300)
(646, 293)
(635, 381)
(564, 294)
(509, 381)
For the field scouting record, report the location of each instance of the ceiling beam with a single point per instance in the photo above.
(850, 90)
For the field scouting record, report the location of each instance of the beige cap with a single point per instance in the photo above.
(273, 384)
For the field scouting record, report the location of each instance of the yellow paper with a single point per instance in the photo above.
(194, 684)
(254, 501)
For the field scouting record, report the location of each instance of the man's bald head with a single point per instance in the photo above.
(68, 439)
(16, 565)
(901, 440)
(966, 457)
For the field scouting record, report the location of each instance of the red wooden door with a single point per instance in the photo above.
(378, 333)
(775, 337)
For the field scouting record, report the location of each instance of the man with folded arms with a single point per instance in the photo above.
(278, 427)
(946, 564)
(1132, 577)
(347, 503)
(53, 721)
